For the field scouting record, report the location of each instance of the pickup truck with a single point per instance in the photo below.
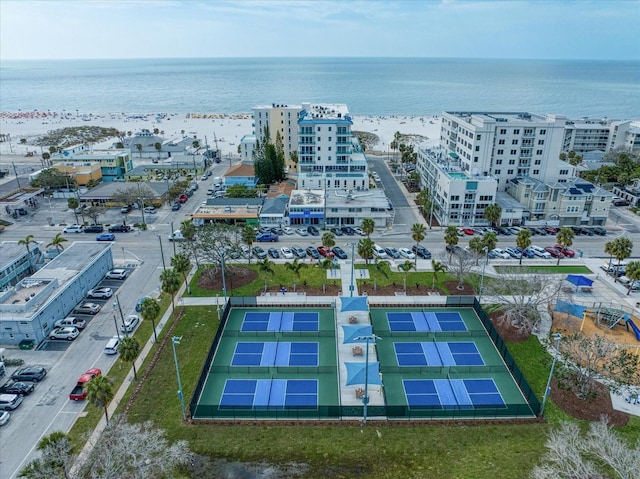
(78, 393)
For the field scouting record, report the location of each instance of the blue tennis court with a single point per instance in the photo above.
(270, 393)
(280, 321)
(447, 393)
(464, 353)
(425, 321)
(280, 353)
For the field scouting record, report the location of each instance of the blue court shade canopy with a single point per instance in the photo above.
(569, 308)
(353, 331)
(579, 280)
(356, 373)
(356, 303)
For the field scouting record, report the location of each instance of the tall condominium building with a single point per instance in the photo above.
(280, 119)
(584, 136)
(506, 145)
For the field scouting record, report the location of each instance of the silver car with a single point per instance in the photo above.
(103, 293)
(130, 323)
(67, 333)
(88, 308)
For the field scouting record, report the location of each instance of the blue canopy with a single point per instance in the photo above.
(355, 303)
(570, 308)
(579, 280)
(356, 373)
(353, 331)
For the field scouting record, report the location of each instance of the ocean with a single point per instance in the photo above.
(369, 86)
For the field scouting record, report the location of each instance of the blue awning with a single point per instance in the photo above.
(354, 331)
(579, 280)
(354, 303)
(356, 373)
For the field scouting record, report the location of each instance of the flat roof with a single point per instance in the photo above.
(10, 251)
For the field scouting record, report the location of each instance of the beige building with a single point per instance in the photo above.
(114, 164)
(281, 119)
(82, 172)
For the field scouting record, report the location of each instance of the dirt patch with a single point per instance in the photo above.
(508, 333)
(467, 289)
(235, 276)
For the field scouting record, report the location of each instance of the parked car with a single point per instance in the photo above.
(421, 251)
(540, 252)
(302, 232)
(73, 229)
(379, 252)
(455, 249)
(150, 210)
(286, 253)
(313, 231)
(106, 237)
(554, 252)
(513, 252)
(94, 229)
(298, 252)
(565, 250)
(183, 198)
(4, 417)
(326, 252)
(130, 323)
(359, 231)
(348, 230)
(30, 373)
(312, 252)
(339, 252)
(119, 229)
(337, 231)
(277, 231)
(406, 253)
(67, 333)
(175, 206)
(499, 253)
(118, 273)
(527, 253)
(468, 231)
(79, 393)
(125, 209)
(103, 293)
(273, 253)
(392, 252)
(88, 308)
(20, 388)
(71, 321)
(550, 230)
(8, 402)
(599, 230)
(286, 230)
(267, 236)
(139, 303)
(259, 253)
(176, 236)
(586, 231)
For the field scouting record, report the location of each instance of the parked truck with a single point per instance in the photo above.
(78, 393)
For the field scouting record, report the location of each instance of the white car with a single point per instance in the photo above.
(117, 273)
(302, 231)
(103, 293)
(176, 236)
(67, 333)
(406, 253)
(539, 252)
(499, 253)
(73, 229)
(71, 322)
(286, 253)
(150, 210)
(359, 231)
(286, 230)
(130, 323)
(379, 252)
(4, 417)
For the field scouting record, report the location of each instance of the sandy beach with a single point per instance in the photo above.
(228, 130)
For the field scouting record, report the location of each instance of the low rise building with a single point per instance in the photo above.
(114, 163)
(16, 262)
(229, 211)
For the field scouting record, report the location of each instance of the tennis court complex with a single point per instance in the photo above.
(287, 362)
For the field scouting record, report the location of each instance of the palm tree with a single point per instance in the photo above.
(249, 237)
(100, 393)
(57, 241)
(622, 248)
(490, 240)
(365, 249)
(476, 244)
(405, 268)
(295, 268)
(564, 238)
(379, 266)
(632, 271)
(328, 239)
(27, 242)
(170, 283)
(158, 146)
(129, 349)
(451, 238)
(368, 225)
(266, 268)
(492, 213)
(326, 264)
(57, 453)
(139, 148)
(150, 310)
(182, 265)
(438, 267)
(609, 247)
(72, 204)
(523, 241)
(418, 232)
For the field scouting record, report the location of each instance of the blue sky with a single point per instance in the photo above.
(601, 29)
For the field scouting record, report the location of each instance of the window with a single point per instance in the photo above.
(512, 162)
(513, 152)
(516, 131)
(319, 128)
(543, 132)
(319, 148)
(329, 128)
(329, 148)
(478, 137)
(537, 162)
(564, 172)
(500, 152)
(329, 138)
(498, 162)
(319, 139)
(539, 152)
(497, 172)
(514, 142)
(501, 142)
(477, 148)
(503, 131)
(536, 172)
(475, 159)
(509, 172)
(540, 142)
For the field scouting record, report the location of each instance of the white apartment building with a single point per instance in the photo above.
(281, 119)
(584, 136)
(506, 145)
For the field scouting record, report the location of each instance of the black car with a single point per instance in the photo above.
(504, 231)
(337, 231)
(17, 387)
(175, 206)
(392, 252)
(94, 229)
(576, 230)
(586, 231)
(259, 252)
(30, 373)
(421, 252)
(311, 251)
(119, 229)
(339, 252)
(599, 230)
(454, 249)
(348, 230)
(274, 253)
(313, 231)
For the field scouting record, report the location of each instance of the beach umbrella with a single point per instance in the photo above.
(356, 331)
(357, 372)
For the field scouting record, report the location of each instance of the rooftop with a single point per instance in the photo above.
(243, 169)
(11, 251)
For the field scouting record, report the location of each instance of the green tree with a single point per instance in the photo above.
(405, 268)
(609, 248)
(158, 146)
(241, 191)
(150, 310)
(249, 237)
(368, 225)
(182, 265)
(523, 240)
(72, 204)
(266, 269)
(438, 267)
(56, 459)
(477, 246)
(268, 160)
(100, 393)
(418, 232)
(565, 238)
(492, 214)
(328, 239)
(632, 271)
(139, 148)
(326, 264)
(170, 283)
(365, 249)
(129, 350)
(295, 267)
(57, 241)
(188, 230)
(622, 248)
(52, 179)
(27, 242)
(490, 240)
(451, 238)
(379, 266)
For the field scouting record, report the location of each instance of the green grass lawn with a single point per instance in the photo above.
(551, 269)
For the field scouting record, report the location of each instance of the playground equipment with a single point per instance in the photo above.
(603, 316)
(635, 328)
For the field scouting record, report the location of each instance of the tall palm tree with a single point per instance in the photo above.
(368, 225)
(182, 265)
(150, 310)
(609, 248)
(266, 268)
(170, 283)
(632, 271)
(129, 349)
(523, 241)
(379, 266)
(27, 242)
(418, 232)
(438, 267)
(295, 268)
(100, 393)
(249, 237)
(405, 268)
(492, 213)
(57, 453)
(72, 204)
(621, 250)
(57, 241)
(328, 239)
(326, 264)
(564, 238)
(365, 249)
(451, 238)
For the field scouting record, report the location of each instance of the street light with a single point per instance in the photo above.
(176, 340)
(365, 398)
(353, 260)
(547, 390)
(486, 252)
(164, 266)
(224, 281)
(116, 304)
(174, 240)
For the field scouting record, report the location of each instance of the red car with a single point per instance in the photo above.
(550, 229)
(468, 231)
(326, 252)
(183, 198)
(555, 252)
(565, 251)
